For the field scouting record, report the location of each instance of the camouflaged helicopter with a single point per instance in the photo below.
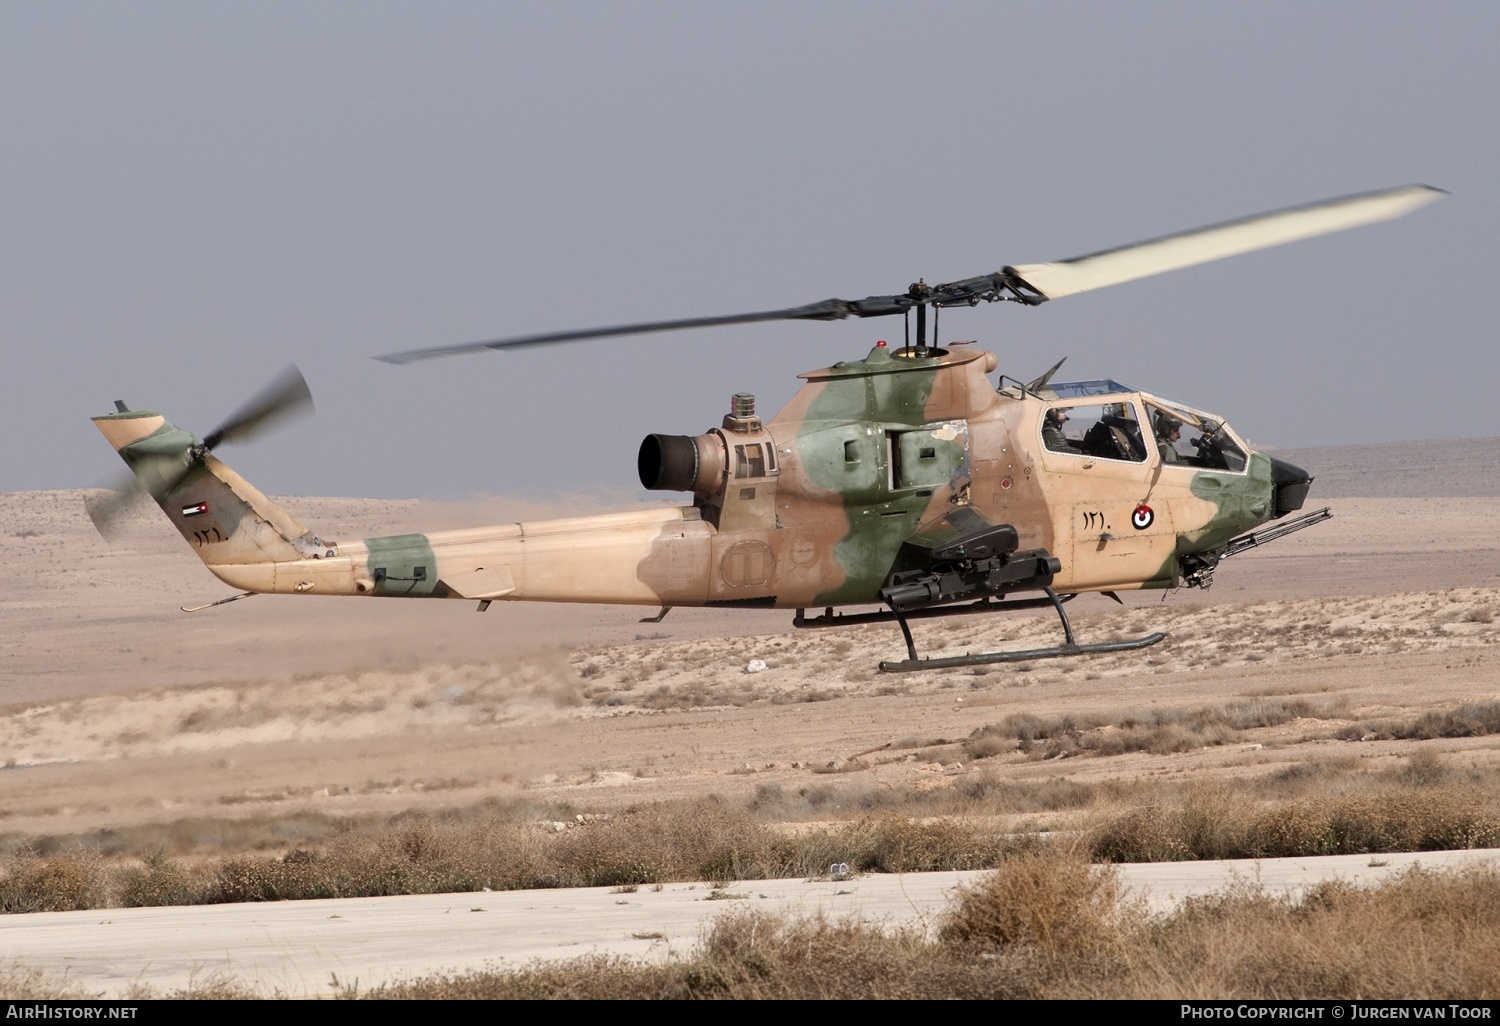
(907, 479)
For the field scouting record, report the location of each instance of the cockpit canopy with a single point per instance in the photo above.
(1106, 419)
(1074, 389)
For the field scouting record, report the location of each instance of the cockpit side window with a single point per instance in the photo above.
(1193, 440)
(1110, 431)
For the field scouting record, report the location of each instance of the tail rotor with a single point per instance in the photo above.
(159, 474)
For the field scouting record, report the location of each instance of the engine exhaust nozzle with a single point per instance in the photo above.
(680, 463)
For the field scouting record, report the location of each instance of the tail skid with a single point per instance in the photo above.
(220, 602)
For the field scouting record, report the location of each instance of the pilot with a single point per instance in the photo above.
(1052, 433)
(1168, 431)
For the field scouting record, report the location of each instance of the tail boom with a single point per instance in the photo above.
(657, 556)
(650, 557)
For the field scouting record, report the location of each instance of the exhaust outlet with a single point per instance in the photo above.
(682, 463)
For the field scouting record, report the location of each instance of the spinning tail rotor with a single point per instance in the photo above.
(162, 457)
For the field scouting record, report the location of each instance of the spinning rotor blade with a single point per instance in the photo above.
(109, 510)
(286, 396)
(1032, 284)
(1202, 245)
(827, 310)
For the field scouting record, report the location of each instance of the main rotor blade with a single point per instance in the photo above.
(286, 396)
(1202, 245)
(1026, 283)
(827, 310)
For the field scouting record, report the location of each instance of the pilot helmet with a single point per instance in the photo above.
(1166, 424)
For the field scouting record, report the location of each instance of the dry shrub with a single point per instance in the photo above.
(56, 883)
(710, 839)
(1203, 824)
(416, 854)
(1434, 819)
(256, 878)
(894, 844)
(592, 977)
(1050, 926)
(159, 880)
(1054, 902)
(1471, 719)
(756, 955)
(1307, 775)
(997, 794)
(984, 745)
(705, 839)
(751, 955)
(1327, 809)
(422, 854)
(1421, 935)
(1214, 822)
(1158, 739)
(769, 799)
(1159, 731)
(1423, 768)
(206, 835)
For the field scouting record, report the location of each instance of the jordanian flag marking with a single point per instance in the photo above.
(195, 510)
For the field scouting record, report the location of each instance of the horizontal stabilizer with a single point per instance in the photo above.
(481, 583)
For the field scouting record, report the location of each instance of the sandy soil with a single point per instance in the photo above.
(120, 709)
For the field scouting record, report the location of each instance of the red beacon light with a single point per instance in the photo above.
(880, 344)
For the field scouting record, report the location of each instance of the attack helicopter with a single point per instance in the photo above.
(908, 479)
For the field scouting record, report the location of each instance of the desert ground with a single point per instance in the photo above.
(121, 710)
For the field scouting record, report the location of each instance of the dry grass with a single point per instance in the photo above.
(29, 985)
(58, 883)
(1313, 808)
(1472, 719)
(1047, 900)
(747, 955)
(707, 839)
(1214, 821)
(1048, 925)
(1159, 731)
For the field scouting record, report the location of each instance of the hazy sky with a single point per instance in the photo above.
(193, 195)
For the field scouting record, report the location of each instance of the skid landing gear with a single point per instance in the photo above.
(1068, 648)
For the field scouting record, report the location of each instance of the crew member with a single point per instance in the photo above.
(1052, 433)
(1168, 431)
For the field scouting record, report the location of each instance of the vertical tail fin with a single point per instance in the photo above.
(226, 519)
